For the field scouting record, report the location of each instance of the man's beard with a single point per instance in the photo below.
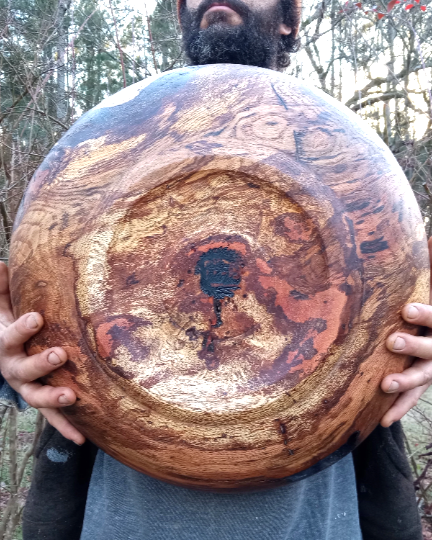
(252, 43)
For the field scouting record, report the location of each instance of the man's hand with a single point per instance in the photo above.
(22, 371)
(414, 381)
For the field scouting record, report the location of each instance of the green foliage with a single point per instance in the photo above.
(165, 34)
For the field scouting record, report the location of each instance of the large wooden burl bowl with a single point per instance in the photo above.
(222, 251)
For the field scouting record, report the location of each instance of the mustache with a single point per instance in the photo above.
(237, 5)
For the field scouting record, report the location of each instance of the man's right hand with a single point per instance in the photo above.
(22, 371)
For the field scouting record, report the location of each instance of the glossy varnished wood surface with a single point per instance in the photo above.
(222, 252)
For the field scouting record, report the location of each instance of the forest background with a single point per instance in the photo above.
(60, 58)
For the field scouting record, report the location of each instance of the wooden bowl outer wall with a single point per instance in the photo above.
(269, 127)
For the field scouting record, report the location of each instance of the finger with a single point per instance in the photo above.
(20, 331)
(418, 346)
(402, 405)
(6, 315)
(41, 397)
(420, 314)
(30, 368)
(62, 424)
(419, 374)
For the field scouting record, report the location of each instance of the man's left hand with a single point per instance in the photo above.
(414, 381)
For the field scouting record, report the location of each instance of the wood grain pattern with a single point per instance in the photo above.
(222, 251)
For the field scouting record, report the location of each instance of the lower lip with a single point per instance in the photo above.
(220, 8)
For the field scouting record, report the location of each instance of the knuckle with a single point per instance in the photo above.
(34, 395)
(19, 372)
(418, 347)
(6, 341)
(5, 368)
(427, 377)
(6, 371)
(12, 338)
(28, 397)
(413, 403)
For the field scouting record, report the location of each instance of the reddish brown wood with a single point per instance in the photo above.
(222, 252)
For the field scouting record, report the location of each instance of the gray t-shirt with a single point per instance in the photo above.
(123, 504)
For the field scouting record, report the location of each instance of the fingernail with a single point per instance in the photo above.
(412, 312)
(393, 387)
(399, 344)
(54, 359)
(77, 443)
(63, 400)
(31, 322)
